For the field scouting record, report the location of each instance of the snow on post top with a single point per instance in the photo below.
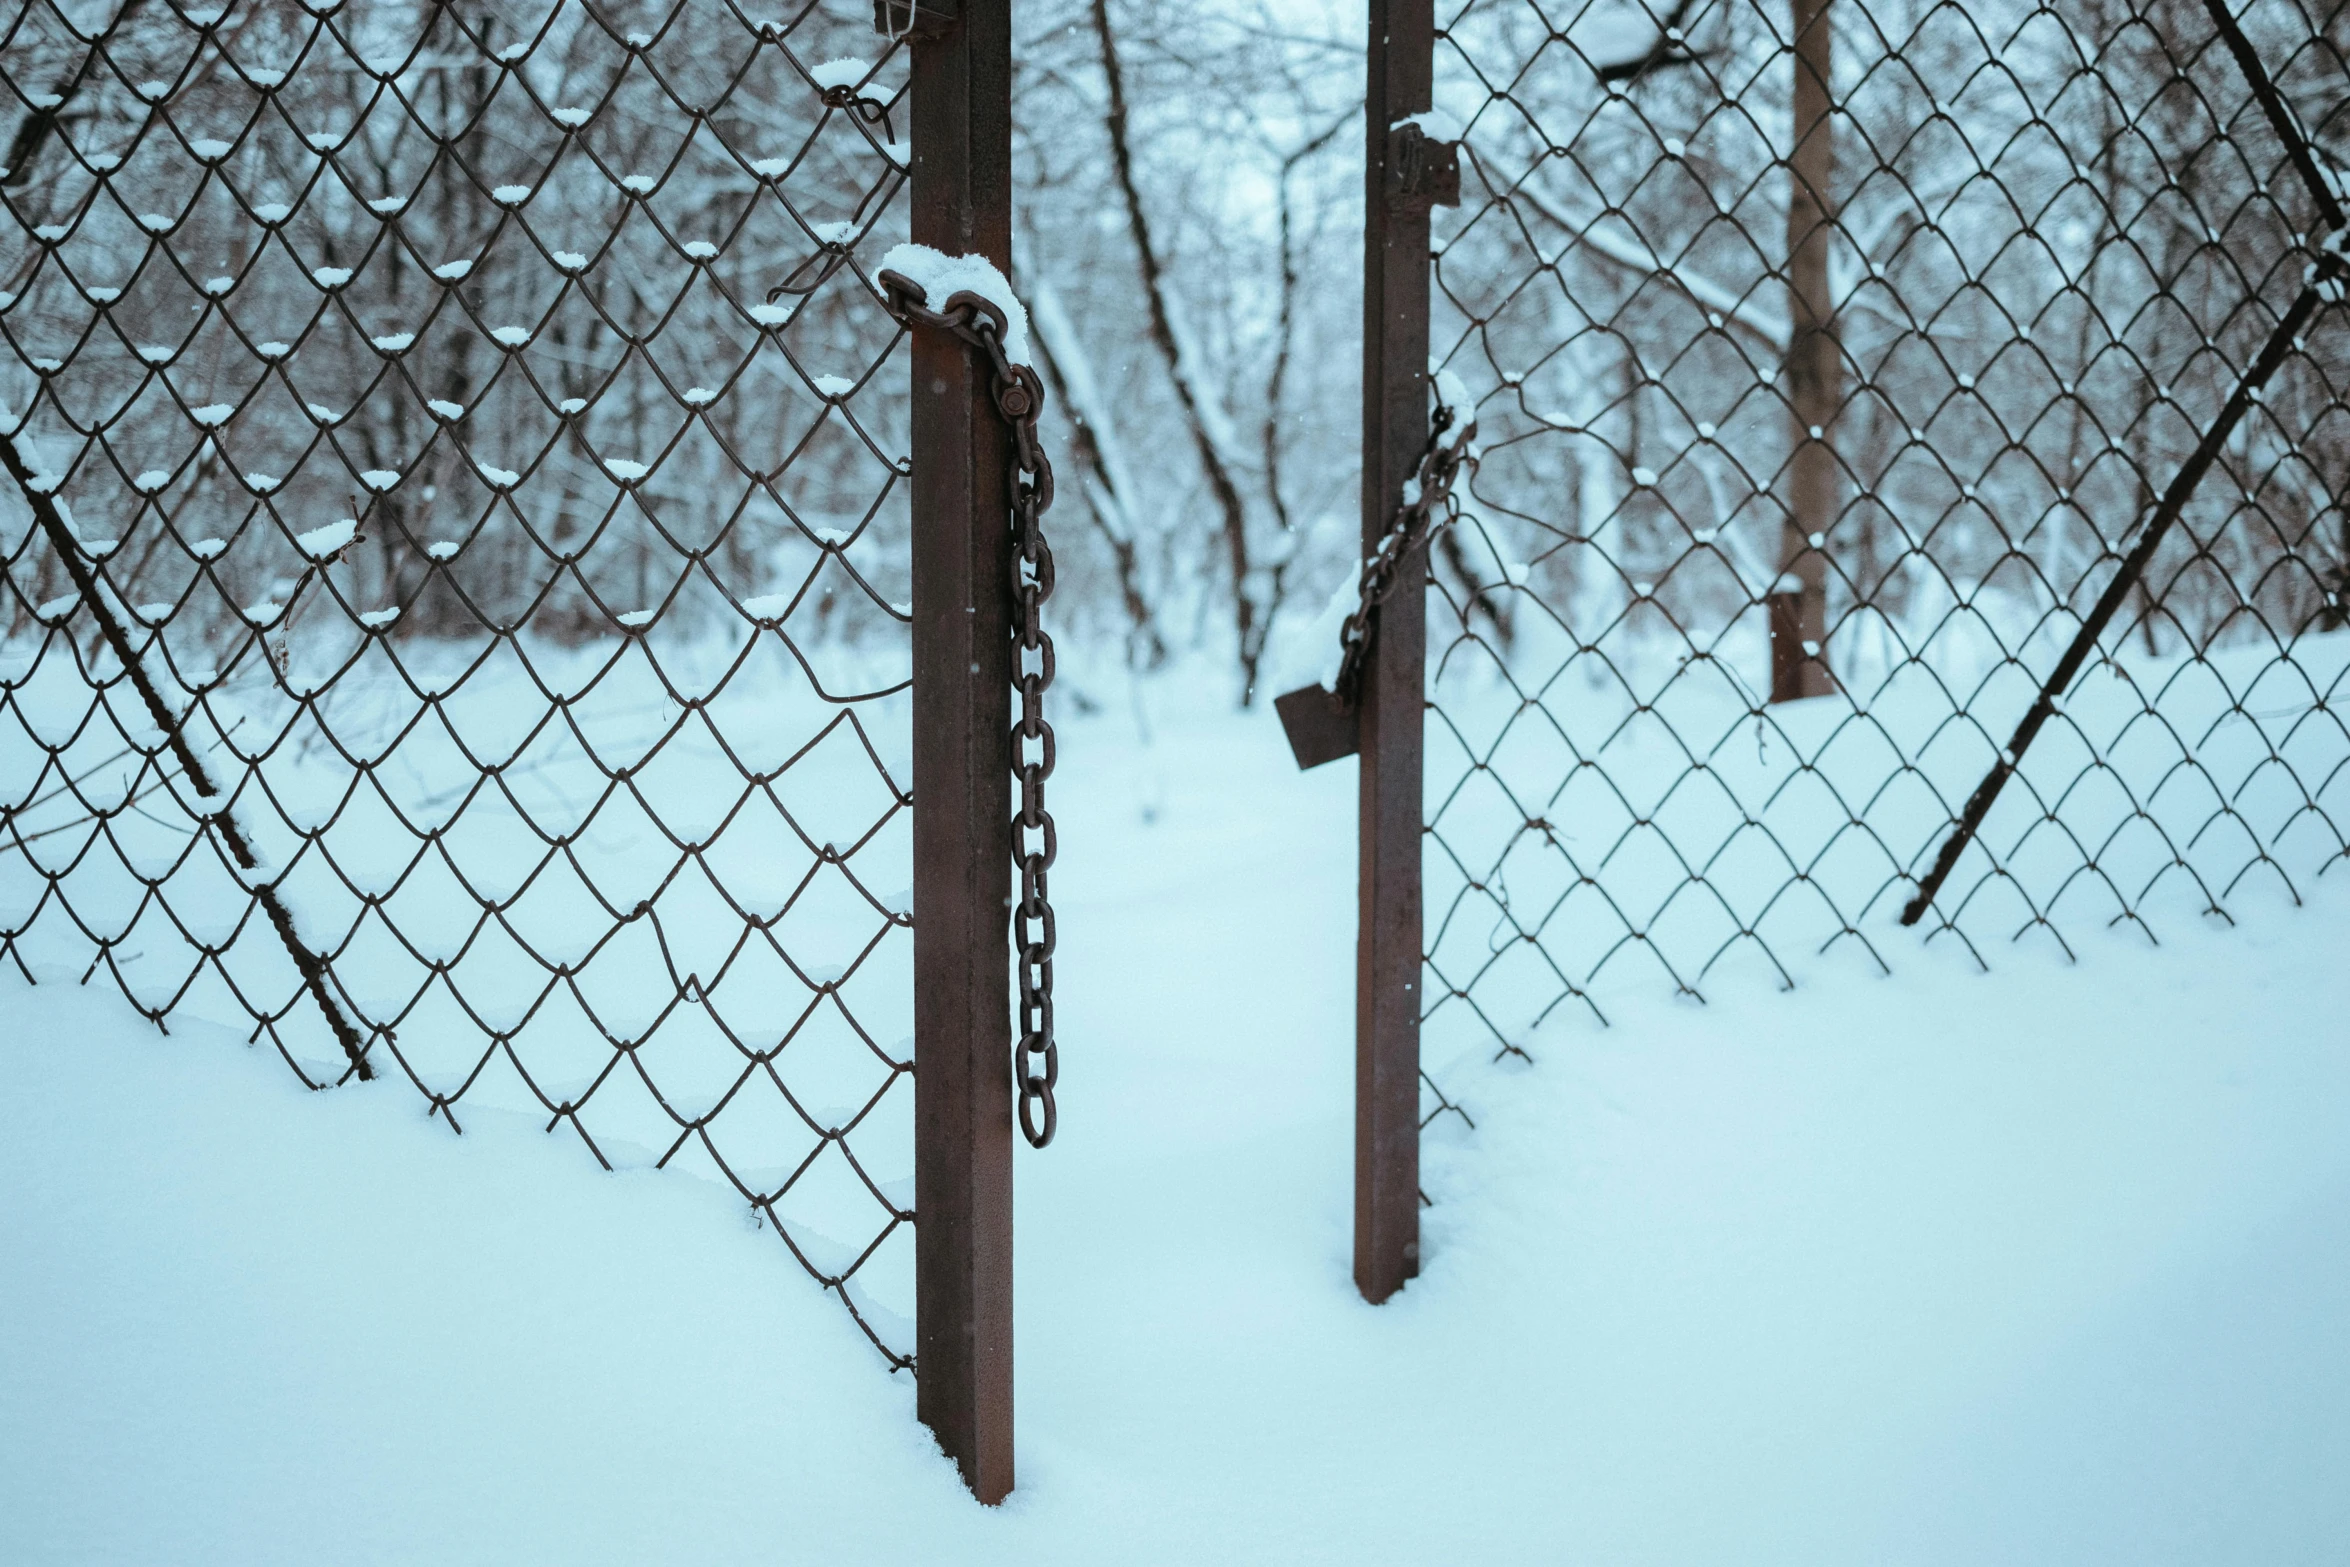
(942, 276)
(1435, 124)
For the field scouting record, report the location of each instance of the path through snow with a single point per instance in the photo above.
(2051, 1265)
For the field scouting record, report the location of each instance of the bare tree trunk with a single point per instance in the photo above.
(1276, 382)
(1219, 468)
(1814, 374)
(1108, 490)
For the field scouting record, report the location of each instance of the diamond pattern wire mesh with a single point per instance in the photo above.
(2057, 236)
(401, 383)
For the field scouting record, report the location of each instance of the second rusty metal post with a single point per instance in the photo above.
(962, 205)
(1395, 429)
(1798, 602)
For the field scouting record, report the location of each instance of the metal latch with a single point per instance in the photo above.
(1322, 726)
(1422, 169)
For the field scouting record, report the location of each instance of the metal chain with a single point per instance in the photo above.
(1448, 452)
(1019, 400)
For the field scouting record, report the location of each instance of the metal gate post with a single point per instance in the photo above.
(962, 205)
(1798, 602)
(1395, 429)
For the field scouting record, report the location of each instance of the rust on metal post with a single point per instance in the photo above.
(962, 764)
(1391, 703)
(1814, 365)
(1785, 607)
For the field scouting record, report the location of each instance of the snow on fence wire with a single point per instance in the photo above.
(455, 612)
(1827, 357)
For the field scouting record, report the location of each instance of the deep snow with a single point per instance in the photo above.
(2048, 1265)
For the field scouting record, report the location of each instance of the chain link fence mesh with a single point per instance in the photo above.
(2035, 249)
(455, 612)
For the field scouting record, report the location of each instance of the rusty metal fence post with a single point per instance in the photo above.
(1392, 702)
(418, 522)
(1798, 601)
(962, 758)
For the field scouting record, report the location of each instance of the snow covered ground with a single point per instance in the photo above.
(2046, 1265)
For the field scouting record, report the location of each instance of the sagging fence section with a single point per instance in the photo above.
(465, 622)
(1909, 487)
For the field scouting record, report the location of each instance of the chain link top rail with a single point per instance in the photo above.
(451, 622)
(2057, 242)
(1018, 394)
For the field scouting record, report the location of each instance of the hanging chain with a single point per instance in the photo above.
(1427, 493)
(1019, 400)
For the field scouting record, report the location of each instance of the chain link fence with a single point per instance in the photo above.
(456, 568)
(1830, 359)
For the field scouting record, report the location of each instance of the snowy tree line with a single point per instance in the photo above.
(494, 283)
(2053, 239)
